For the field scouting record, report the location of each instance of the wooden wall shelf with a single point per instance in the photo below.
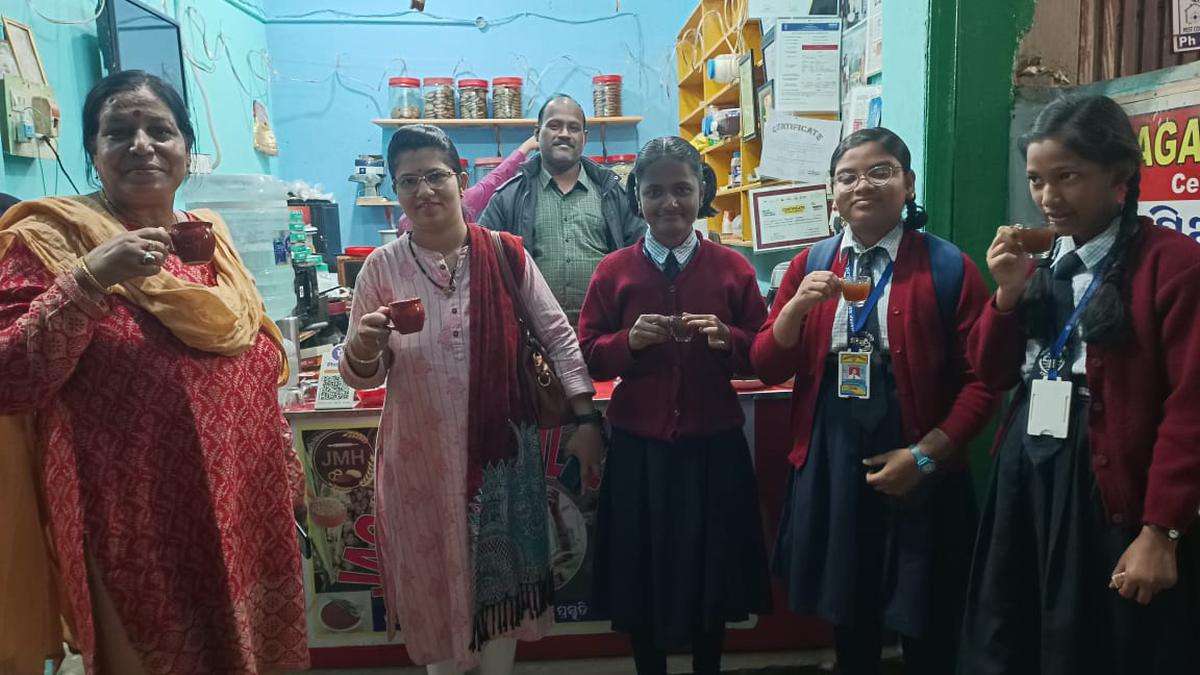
(489, 123)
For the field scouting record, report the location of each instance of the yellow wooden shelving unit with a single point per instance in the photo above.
(714, 28)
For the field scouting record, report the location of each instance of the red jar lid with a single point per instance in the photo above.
(507, 82)
(478, 84)
(439, 81)
(359, 251)
(622, 158)
(404, 82)
(488, 161)
(606, 79)
(337, 307)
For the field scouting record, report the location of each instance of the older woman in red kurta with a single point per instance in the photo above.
(152, 436)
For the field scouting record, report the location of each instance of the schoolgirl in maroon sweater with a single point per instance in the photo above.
(879, 516)
(680, 544)
(1082, 562)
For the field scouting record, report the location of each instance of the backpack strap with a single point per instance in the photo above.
(946, 266)
(822, 253)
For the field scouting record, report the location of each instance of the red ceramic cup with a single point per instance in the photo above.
(408, 316)
(193, 241)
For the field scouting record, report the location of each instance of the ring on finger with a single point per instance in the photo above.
(149, 258)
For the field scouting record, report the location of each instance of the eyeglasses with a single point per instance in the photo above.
(408, 183)
(877, 176)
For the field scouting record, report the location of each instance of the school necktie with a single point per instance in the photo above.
(671, 266)
(868, 413)
(1064, 293)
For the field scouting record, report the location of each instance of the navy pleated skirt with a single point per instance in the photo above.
(680, 544)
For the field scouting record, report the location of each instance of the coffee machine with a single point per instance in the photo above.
(311, 308)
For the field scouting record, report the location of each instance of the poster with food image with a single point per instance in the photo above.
(339, 466)
(345, 593)
(572, 525)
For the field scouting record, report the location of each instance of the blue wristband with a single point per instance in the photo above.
(925, 464)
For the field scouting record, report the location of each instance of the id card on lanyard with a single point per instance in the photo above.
(854, 364)
(1050, 395)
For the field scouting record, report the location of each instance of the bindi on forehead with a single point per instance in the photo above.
(139, 102)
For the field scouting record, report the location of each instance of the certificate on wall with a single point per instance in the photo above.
(788, 216)
(797, 148)
(807, 61)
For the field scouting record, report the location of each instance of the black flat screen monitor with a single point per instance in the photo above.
(135, 37)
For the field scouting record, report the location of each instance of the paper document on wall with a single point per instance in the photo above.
(808, 64)
(760, 9)
(798, 148)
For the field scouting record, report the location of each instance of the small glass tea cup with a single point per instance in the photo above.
(1036, 241)
(680, 330)
(856, 289)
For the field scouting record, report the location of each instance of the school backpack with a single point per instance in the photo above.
(945, 263)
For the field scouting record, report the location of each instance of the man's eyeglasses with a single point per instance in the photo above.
(877, 176)
(408, 183)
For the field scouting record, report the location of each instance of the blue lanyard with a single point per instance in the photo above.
(1060, 344)
(857, 323)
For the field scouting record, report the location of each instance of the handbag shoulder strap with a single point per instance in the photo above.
(509, 282)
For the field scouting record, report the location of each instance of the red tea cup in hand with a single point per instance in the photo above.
(408, 316)
(193, 241)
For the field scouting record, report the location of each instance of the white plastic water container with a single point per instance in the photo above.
(255, 208)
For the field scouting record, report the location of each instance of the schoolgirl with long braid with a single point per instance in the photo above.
(1082, 563)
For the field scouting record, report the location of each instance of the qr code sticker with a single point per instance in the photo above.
(333, 388)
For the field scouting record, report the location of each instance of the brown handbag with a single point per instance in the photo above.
(541, 389)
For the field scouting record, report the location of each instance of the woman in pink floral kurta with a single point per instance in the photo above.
(422, 460)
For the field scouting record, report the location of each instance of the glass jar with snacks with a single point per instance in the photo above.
(405, 97)
(439, 98)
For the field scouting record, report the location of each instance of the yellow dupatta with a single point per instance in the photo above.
(225, 319)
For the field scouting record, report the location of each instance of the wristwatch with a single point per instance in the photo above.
(925, 464)
(1170, 533)
(594, 417)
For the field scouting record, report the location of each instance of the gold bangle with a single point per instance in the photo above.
(87, 273)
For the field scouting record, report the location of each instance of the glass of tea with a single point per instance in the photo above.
(680, 330)
(1035, 241)
(856, 289)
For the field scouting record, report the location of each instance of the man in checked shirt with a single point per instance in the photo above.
(570, 211)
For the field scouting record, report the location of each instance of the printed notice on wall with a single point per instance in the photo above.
(874, 64)
(772, 9)
(798, 148)
(808, 65)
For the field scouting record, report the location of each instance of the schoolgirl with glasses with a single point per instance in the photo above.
(873, 323)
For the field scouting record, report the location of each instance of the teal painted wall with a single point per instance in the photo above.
(332, 69)
(905, 77)
(71, 58)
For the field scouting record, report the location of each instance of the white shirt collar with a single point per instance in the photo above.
(889, 243)
(1095, 250)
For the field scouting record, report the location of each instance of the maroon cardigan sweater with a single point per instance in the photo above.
(672, 390)
(935, 385)
(1143, 426)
